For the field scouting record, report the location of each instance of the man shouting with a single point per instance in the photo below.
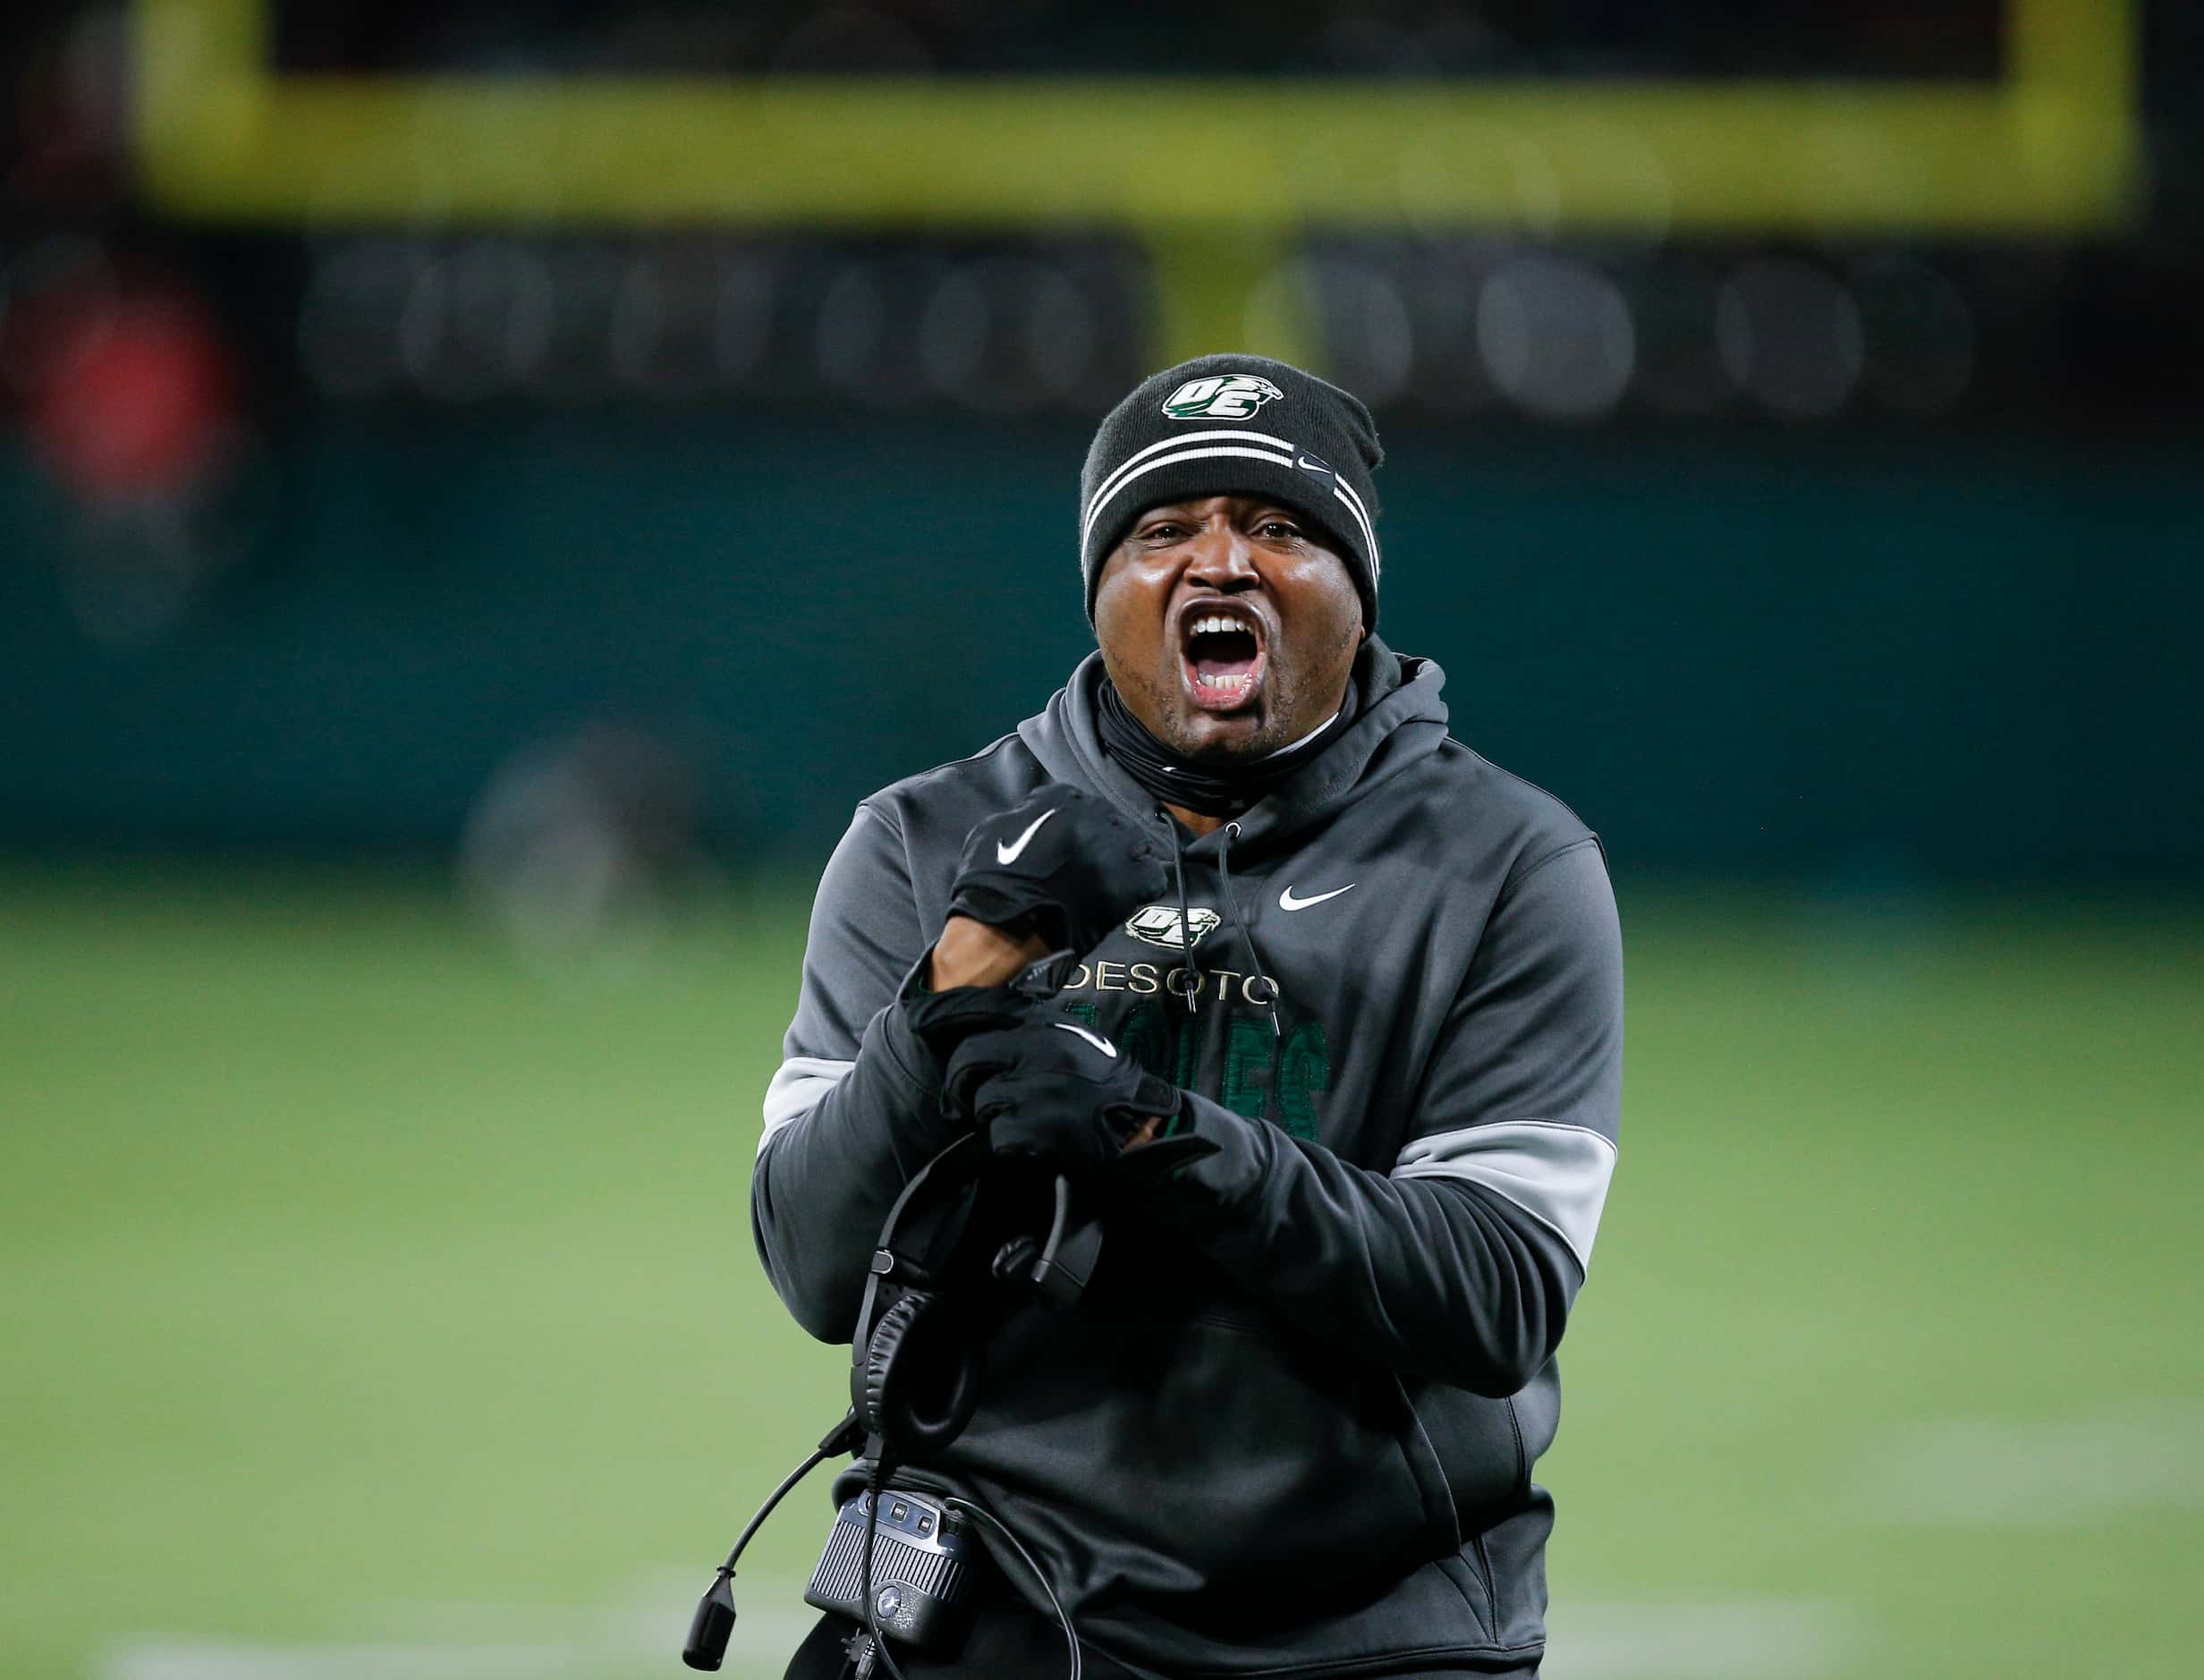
(1358, 991)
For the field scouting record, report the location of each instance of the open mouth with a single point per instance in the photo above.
(1223, 658)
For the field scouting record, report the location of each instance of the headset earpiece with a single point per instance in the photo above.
(920, 1380)
(932, 1298)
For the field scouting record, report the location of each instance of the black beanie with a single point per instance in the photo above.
(1236, 425)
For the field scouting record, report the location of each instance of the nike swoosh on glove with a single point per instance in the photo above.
(1052, 1091)
(1068, 864)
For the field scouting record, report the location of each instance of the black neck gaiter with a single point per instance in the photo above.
(1214, 790)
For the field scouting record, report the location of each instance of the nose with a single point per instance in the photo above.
(1222, 557)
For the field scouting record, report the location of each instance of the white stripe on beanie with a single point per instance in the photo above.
(1346, 493)
(1110, 486)
(1120, 480)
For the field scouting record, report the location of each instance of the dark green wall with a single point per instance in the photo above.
(1756, 653)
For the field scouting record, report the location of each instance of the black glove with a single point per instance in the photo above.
(942, 1021)
(1054, 1091)
(1066, 863)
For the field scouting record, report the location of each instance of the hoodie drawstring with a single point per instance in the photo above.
(1186, 917)
(1192, 992)
(1240, 920)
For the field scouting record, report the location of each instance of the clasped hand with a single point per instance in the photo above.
(1055, 1091)
(1055, 872)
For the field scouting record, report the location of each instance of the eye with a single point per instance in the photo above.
(1163, 530)
(1278, 530)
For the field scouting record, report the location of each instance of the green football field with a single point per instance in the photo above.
(379, 1304)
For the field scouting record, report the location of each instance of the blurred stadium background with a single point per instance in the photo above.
(485, 488)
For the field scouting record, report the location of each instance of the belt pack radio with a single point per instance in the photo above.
(923, 1562)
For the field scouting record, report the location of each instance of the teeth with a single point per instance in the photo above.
(1216, 624)
(1225, 682)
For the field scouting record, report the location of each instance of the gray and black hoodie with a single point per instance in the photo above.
(1290, 1428)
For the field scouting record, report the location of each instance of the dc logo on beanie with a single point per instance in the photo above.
(1220, 396)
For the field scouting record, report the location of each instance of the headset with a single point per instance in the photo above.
(933, 1298)
(943, 1277)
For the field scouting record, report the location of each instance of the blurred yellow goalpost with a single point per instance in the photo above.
(1195, 167)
